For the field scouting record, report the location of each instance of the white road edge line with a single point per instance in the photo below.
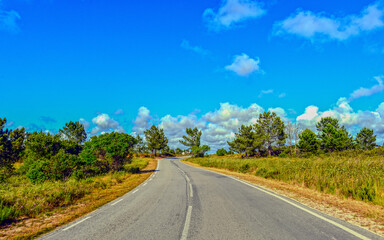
(186, 224)
(356, 234)
(116, 202)
(65, 229)
(144, 183)
(135, 191)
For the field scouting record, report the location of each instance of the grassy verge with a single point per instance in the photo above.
(348, 187)
(35, 209)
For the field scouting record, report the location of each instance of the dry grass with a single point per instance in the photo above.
(363, 214)
(105, 189)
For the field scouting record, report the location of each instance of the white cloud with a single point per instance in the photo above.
(142, 121)
(8, 21)
(220, 125)
(364, 92)
(196, 49)
(85, 123)
(352, 120)
(243, 65)
(119, 112)
(104, 124)
(265, 92)
(282, 95)
(232, 12)
(317, 25)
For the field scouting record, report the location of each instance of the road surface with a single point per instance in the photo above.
(183, 202)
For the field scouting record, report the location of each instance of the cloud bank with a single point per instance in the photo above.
(307, 24)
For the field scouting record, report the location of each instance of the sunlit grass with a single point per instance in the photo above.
(21, 198)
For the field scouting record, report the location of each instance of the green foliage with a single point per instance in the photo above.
(140, 146)
(269, 129)
(200, 151)
(246, 141)
(109, 151)
(74, 131)
(365, 139)
(332, 136)
(192, 139)
(308, 142)
(156, 139)
(11, 145)
(178, 151)
(221, 152)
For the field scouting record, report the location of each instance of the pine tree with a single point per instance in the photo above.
(192, 139)
(245, 142)
(156, 139)
(308, 141)
(74, 131)
(270, 128)
(365, 139)
(332, 136)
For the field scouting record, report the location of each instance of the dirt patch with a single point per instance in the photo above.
(362, 214)
(29, 228)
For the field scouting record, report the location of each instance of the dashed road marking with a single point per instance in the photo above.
(65, 229)
(116, 202)
(186, 224)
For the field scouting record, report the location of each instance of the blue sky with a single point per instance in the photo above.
(122, 65)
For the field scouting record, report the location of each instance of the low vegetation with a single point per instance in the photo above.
(19, 197)
(352, 174)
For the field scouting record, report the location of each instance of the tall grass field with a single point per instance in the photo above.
(351, 174)
(21, 198)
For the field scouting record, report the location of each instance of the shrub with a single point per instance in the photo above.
(221, 152)
(109, 151)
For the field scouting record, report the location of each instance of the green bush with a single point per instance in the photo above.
(221, 152)
(109, 151)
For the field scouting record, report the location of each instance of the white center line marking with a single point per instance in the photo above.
(117, 202)
(65, 229)
(191, 189)
(186, 225)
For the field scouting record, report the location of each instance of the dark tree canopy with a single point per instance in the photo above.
(308, 141)
(332, 136)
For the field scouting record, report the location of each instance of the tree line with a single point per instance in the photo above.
(46, 156)
(271, 136)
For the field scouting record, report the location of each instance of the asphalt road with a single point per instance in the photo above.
(184, 202)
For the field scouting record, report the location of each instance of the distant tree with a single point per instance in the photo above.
(332, 136)
(308, 141)
(365, 139)
(140, 146)
(270, 129)
(192, 139)
(156, 139)
(200, 151)
(74, 131)
(245, 142)
(221, 152)
(292, 131)
(178, 151)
